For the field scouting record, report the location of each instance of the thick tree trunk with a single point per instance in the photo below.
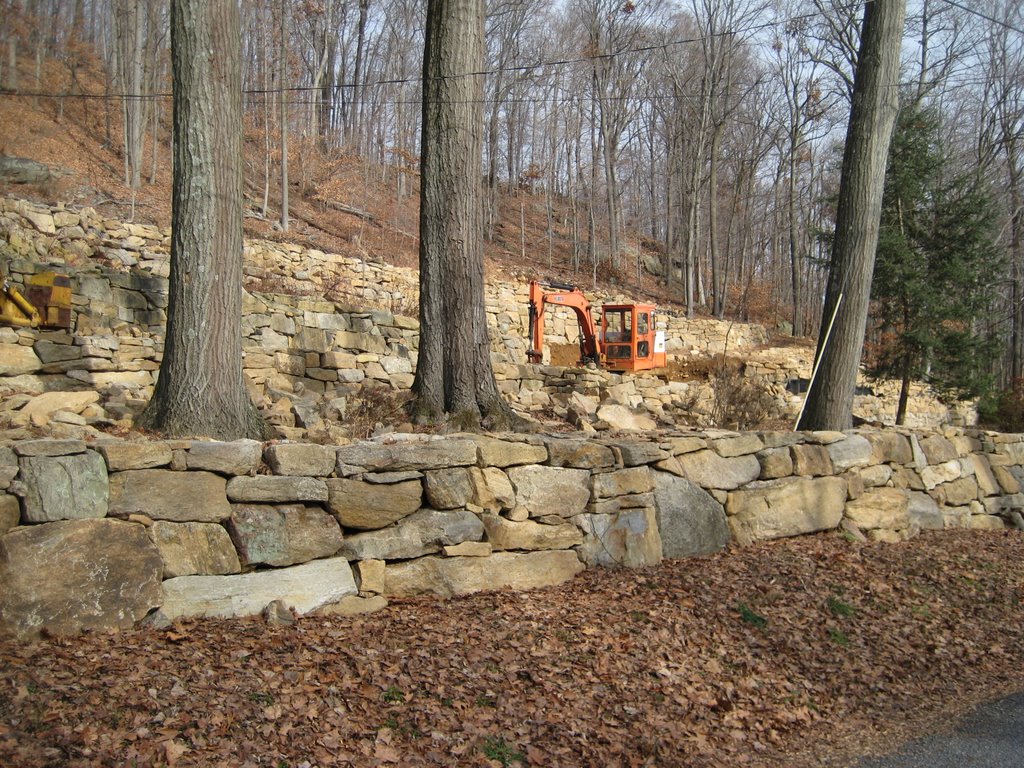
(283, 95)
(872, 116)
(794, 246)
(201, 389)
(454, 376)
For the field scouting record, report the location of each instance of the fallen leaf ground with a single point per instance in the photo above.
(801, 652)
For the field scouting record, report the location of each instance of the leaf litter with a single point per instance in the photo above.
(854, 647)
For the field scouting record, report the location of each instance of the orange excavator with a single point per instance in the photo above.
(627, 339)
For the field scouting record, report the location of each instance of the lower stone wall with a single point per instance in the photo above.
(107, 534)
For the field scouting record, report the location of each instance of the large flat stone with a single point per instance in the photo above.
(628, 538)
(63, 487)
(409, 454)
(450, 576)
(283, 535)
(422, 533)
(529, 535)
(189, 549)
(880, 508)
(301, 459)
(811, 460)
(775, 509)
(121, 455)
(239, 457)
(889, 447)
(270, 489)
(50, 402)
(10, 512)
(624, 418)
(16, 360)
(607, 485)
(578, 453)
(304, 588)
(492, 490)
(709, 470)
(634, 453)
(550, 490)
(368, 506)
(449, 488)
(75, 575)
(163, 494)
(855, 451)
(505, 453)
(690, 520)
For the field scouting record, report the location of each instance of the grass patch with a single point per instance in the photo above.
(496, 748)
(393, 695)
(839, 637)
(750, 616)
(840, 609)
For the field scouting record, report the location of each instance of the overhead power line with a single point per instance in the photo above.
(561, 62)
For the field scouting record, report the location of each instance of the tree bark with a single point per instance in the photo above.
(283, 95)
(872, 116)
(454, 376)
(201, 389)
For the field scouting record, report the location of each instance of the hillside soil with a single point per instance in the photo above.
(803, 652)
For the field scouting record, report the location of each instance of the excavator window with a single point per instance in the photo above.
(642, 324)
(618, 327)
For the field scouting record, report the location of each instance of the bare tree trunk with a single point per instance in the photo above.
(201, 389)
(1016, 256)
(355, 115)
(283, 86)
(717, 270)
(454, 376)
(794, 249)
(872, 116)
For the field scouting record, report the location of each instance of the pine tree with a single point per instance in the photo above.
(936, 257)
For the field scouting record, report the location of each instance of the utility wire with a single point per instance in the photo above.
(551, 63)
(985, 16)
(741, 32)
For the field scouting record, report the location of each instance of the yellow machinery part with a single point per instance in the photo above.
(46, 302)
(15, 309)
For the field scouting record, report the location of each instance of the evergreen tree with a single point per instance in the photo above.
(936, 258)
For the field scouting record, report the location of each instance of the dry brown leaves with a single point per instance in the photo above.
(796, 652)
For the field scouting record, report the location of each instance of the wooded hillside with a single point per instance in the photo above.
(689, 148)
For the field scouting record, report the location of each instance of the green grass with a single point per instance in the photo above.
(839, 609)
(496, 748)
(839, 637)
(750, 616)
(394, 695)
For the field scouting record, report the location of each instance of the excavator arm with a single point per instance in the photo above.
(557, 294)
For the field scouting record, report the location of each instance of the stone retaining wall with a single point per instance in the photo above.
(306, 356)
(107, 534)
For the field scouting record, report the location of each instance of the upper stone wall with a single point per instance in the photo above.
(306, 355)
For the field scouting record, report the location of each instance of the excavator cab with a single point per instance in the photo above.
(629, 338)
